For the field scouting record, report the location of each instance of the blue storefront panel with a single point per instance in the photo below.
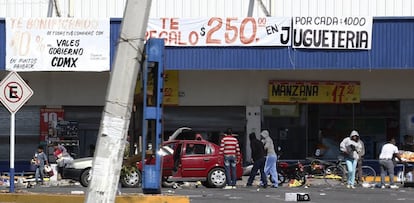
(392, 41)
(2, 44)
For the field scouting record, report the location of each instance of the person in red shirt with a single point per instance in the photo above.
(229, 148)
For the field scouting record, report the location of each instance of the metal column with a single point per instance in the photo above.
(152, 91)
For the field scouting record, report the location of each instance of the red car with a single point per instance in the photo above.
(193, 160)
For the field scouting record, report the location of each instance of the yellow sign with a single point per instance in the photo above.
(171, 87)
(338, 92)
(170, 96)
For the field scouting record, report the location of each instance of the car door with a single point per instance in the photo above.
(167, 151)
(195, 159)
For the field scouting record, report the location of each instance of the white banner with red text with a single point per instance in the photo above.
(57, 44)
(216, 31)
(332, 32)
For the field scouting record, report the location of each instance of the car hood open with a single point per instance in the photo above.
(81, 163)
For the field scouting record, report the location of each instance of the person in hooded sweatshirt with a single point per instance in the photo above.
(351, 148)
(270, 165)
(259, 158)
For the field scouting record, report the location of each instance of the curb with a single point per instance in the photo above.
(42, 198)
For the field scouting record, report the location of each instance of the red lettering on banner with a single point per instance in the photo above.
(150, 34)
(262, 21)
(174, 24)
(193, 38)
(175, 38)
(163, 22)
(172, 37)
(210, 39)
(164, 35)
(16, 23)
(219, 31)
(169, 23)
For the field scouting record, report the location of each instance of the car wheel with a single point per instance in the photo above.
(131, 179)
(216, 178)
(85, 177)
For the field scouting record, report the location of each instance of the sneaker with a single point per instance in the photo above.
(234, 187)
(227, 187)
(393, 186)
(273, 186)
(348, 186)
(352, 187)
(382, 186)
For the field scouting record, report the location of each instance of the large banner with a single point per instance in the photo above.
(57, 44)
(216, 31)
(332, 32)
(337, 92)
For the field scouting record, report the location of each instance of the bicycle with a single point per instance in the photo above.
(335, 173)
(332, 172)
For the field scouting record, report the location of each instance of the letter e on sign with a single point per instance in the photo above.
(14, 92)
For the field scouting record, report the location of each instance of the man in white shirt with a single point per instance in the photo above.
(388, 152)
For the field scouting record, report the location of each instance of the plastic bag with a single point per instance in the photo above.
(49, 171)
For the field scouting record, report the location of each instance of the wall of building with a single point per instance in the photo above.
(213, 88)
(250, 87)
(199, 8)
(66, 88)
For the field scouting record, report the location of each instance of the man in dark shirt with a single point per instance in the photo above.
(259, 159)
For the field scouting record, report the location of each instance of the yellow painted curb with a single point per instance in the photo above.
(44, 198)
(378, 179)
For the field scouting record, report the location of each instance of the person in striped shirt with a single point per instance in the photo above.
(229, 148)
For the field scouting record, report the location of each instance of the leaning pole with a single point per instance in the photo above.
(116, 115)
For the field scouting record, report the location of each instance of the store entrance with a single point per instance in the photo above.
(376, 121)
(287, 129)
(301, 129)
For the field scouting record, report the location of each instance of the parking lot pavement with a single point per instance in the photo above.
(317, 190)
(72, 192)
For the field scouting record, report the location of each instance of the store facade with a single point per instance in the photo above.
(221, 87)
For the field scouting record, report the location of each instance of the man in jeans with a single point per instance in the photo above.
(229, 148)
(271, 158)
(259, 159)
(388, 152)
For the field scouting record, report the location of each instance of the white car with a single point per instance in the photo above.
(79, 170)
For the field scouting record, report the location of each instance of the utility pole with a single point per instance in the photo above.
(118, 106)
(250, 10)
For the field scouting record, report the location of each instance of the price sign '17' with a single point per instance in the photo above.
(342, 93)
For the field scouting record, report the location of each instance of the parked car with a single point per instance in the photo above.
(79, 170)
(193, 160)
(187, 157)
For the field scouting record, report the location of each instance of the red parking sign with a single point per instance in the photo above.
(14, 92)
